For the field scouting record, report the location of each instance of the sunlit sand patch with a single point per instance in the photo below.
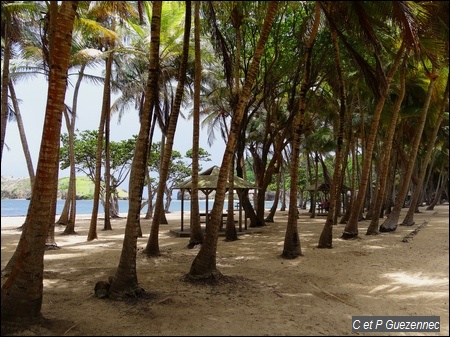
(375, 247)
(416, 280)
(424, 294)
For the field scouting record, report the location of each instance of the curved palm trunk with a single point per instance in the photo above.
(92, 235)
(409, 218)
(443, 177)
(390, 224)
(28, 270)
(152, 248)
(292, 247)
(326, 236)
(351, 229)
(68, 214)
(269, 217)
(387, 147)
(23, 137)
(125, 282)
(204, 264)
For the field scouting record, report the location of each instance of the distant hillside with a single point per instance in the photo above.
(19, 188)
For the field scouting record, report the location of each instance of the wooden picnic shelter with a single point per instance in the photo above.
(324, 187)
(207, 183)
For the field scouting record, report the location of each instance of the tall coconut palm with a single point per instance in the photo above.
(292, 247)
(106, 12)
(204, 264)
(325, 240)
(18, 19)
(11, 33)
(380, 81)
(125, 282)
(390, 224)
(409, 217)
(195, 234)
(373, 227)
(28, 269)
(22, 134)
(152, 248)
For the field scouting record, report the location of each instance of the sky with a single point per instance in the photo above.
(32, 94)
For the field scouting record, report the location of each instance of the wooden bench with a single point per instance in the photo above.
(203, 217)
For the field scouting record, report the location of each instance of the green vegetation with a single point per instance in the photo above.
(20, 188)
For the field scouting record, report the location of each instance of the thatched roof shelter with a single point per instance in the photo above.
(207, 183)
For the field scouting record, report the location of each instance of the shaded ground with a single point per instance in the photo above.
(261, 293)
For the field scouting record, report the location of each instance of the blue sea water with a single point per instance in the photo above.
(19, 207)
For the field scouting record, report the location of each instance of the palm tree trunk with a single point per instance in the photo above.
(125, 282)
(68, 214)
(23, 137)
(195, 234)
(326, 237)
(106, 110)
(409, 218)
(351, 229)
(28, 269)
(92, 234)
(5, 77)
(387, 147)
(204, 264)
(390, 224)
(152, 248)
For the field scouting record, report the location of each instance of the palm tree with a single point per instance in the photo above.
(28, 269)
(14, 31)
(373, 227)
(292, 247)
(125, 282)
(82, 59)
(105, 12)
(390, 224)
(23, 136)
(409, 218)
(204, 264)
(380, 84)
(195, 234)
(152, 248)
(325, 240)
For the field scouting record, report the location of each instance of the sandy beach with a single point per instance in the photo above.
(315, 294)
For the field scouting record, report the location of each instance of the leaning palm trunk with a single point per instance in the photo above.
(390, 224)
(28, 269)
(443, 177)
(152, 248)
(326, 237)
(351, 229)
(373, 227)
(292, 247)
(204, 265)
(92, 234)
(125, 282)
(22, 134)
(409, 218)
(67, 218)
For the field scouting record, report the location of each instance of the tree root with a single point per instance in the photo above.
(408, 237)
